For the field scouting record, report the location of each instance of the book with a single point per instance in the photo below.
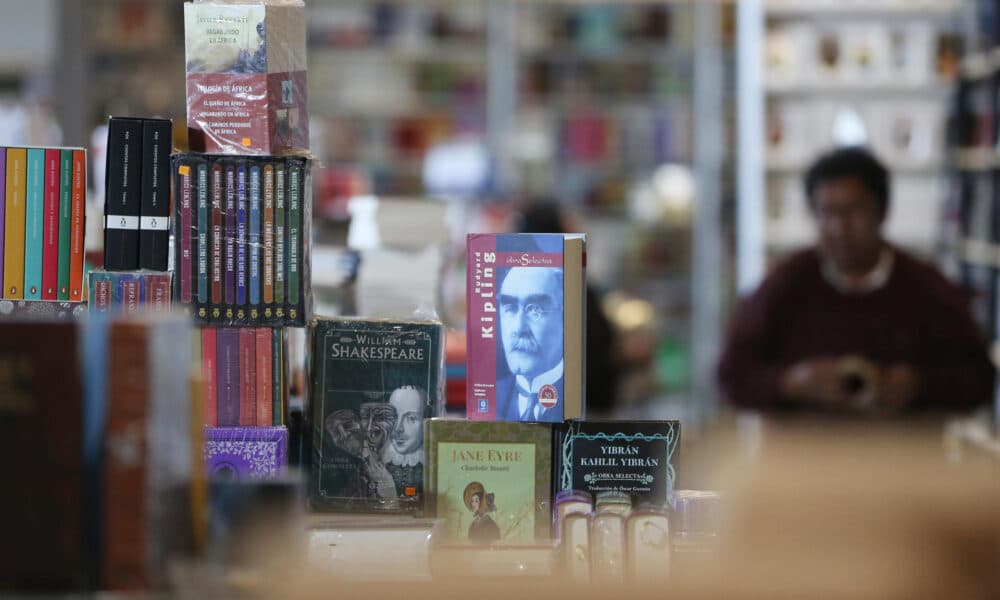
(525, 324)
(241, 240)
(41, 508)
(230, 240)
(278, 365)
(122, 198)
(217, 235)
(253, 245)
(3, 207)
(209, 372)
(34, 224)
(102, 291)
(154, 233)
(156, 288)
(14, 219)
(489, 482)
(280, 259)
(203, 228)
(373, 384)
(65, 243)
(638, 458)
(129, 293)
(228, 361)
(245, 453)
(265, 375)
(77, 225)
(248, 377)
(267, 276)
(185, 192)
(50, 235)
(295, 231)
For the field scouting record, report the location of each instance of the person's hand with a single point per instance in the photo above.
(898, 388)
(817, 381)
(379, 475)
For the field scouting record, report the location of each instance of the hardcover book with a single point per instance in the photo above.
(122, 199)
(245, 453)
(637, 458)
(525, 324)
(246, 76)
(374, 382)
(489, 483)
(157, 142)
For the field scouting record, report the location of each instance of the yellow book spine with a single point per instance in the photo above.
(13, 256)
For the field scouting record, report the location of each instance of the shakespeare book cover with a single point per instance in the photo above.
(490, 483)
(525, 327)
(638, 458)
(374, 383)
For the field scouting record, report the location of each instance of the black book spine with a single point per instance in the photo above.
(122, 198)
(154, 237)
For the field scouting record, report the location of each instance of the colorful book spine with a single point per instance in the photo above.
(230, 296)
(248, 377)
(278, 377)
(3, 209)
(241, 237)
(102, 286)
(129, 297)
(217, 245)
(294, 233)
(268, 274)
(15, 217)
(253, 241)
(204, 226)
(79, 201)
(156, 292)
(154, 234)
(50, 235)
(122, 194)
(34, 226)
(209, 370)
(265, 375)
(65, 221)
(228, 357)
(280, 257)
(184, 193)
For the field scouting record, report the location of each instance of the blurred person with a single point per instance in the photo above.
(854, 324)
(545, 216)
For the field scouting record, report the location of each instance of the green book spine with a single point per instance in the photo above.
(65, 220)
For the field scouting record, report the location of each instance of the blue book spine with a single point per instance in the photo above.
(241, 235)
(34, 224)
(255, 236)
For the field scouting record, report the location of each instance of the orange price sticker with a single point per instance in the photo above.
(246, 142)
(184, 170)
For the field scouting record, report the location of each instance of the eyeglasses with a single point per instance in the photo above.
(535, 309)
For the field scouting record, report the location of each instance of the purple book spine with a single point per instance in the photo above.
(245, 453)
(228, 365)
(3, 199)
(230, 235)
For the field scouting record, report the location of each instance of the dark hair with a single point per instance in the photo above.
(851, 162)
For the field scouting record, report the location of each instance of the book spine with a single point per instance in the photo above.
(3, 209)
(65, 221)
(204, 226)
(241, 238)
(481, 328)
(184, 191)
(268, 274)
(50, 236)
(101, 292)
(129, 288)
(248, 377)
(294, 294)
(230, 284)
(280, 256)
(277, 376)
(34, 226)
(124, 519)
(216, 237)
(122, 195)
(264, 376)
(209, 371)
(253, 241)
(154, 234)
(14, 217)
(228, 360)
(77, 225)
(156, 292)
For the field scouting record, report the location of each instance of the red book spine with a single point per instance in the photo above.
(50, 248)
(264, 376)
(157, 298)
(209, 372)
(76, 227)
(248, 378)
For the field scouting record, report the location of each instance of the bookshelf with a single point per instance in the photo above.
(878, 73)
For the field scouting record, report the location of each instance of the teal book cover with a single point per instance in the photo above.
(65, 220)
(490, 482)
(34, 227)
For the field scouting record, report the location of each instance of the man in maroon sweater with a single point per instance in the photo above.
(854, 325)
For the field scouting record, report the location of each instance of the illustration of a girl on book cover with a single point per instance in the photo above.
(483, 528)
